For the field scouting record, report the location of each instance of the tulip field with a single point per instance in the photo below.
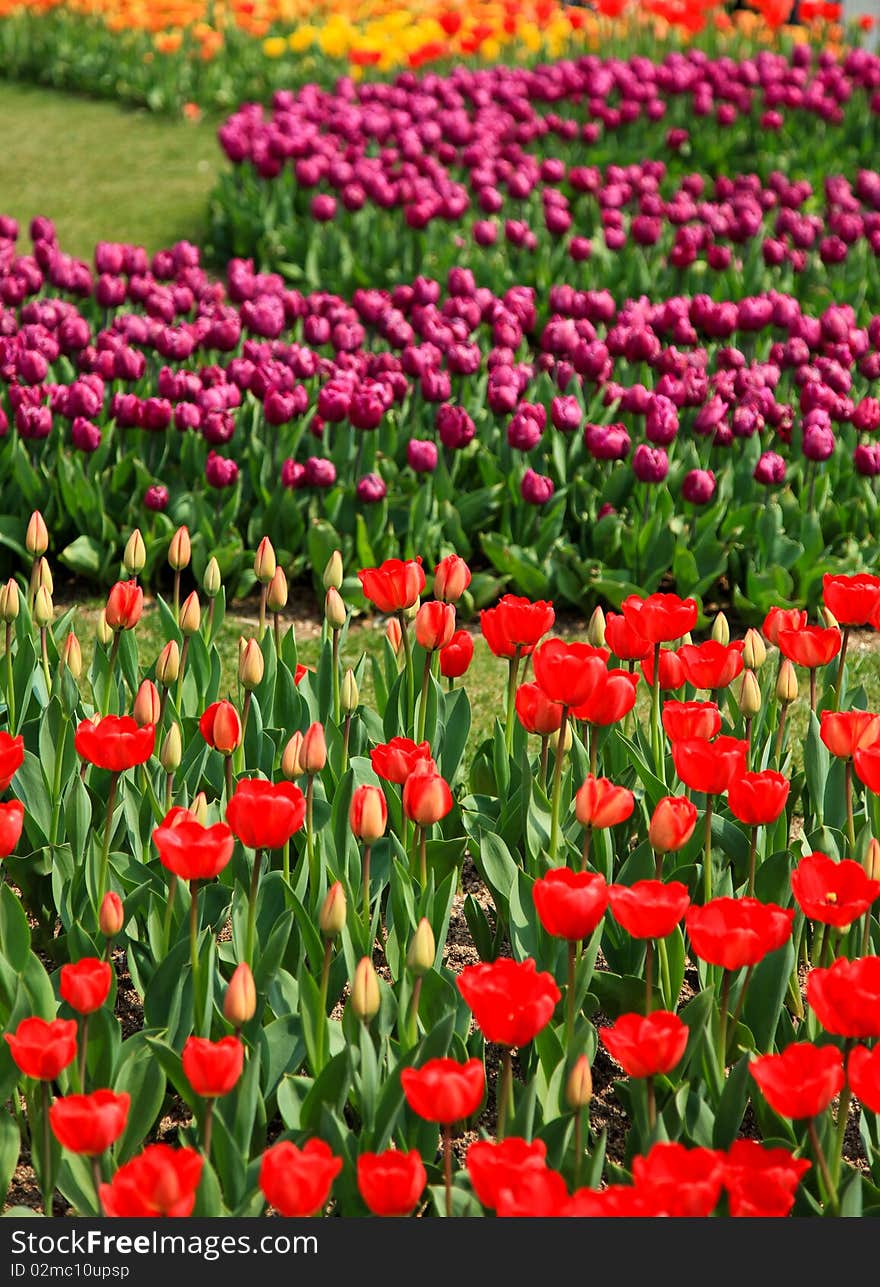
(439, 610)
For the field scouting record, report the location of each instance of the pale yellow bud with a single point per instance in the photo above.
(211, 581)
(579, 1086)
(422, 949)
(276, 597)
(831, 622)
(754, 650)
(43, 610)
(333, 572)
(291, 761)
(331, 918)
(787, 684)
(567, 739)
(240, 1001)
(36, 540)
(265, 562)
(596, 629)
(349, 696)
(334, 609)
(71, 655)
(134, 557)
(412, 612)
(250, 665)
(871, 860)
(721, 629)
(172, 750)
(44, 576)
(749, 694)
(686, 639)
(365, 995)
(104, 632)
(199, 807)
(180, 549)
(190, 614)
(168, 665)
(10, 600)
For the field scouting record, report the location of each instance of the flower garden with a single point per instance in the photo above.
(439, 689)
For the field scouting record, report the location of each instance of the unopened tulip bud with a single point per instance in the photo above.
(412, 611)
(190, 614)
(787, 684)
(147, 704)
(452, 576)
(265, 562)
(721, 629)
(111, 917)
(240, 1001)
(199, 808)
(333, 572)
(579, 1086)
(365, 995)
(105, 634)
(172, 750)
(36, 540)
(596, 629)
(43, 610)
(567, 739)
(394, 634)
(831, 622)
(168, 664)
(368, 814)
(134, 558)
(331, 918)
(180, 550)
(686, 639)
(754, 650)
(44, 576)
(349, 695)
(211, 581)
(291, 759)
(71, 655)
(313, 755)
(250, 666)
(10, 600)
(334, 609)
(871, 860)
(749, 695)
(422, 949)
(276, 596)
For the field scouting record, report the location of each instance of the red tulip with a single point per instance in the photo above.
(42, 1050)
(11, 823)
(710, 767)
(160, 1181)
(391, 1183)
(125, 603)
(114, 742)
(212, 1068)
(680, 1181)
(711, 664)
(758, 799)
(733, 932)
(802, 1081)
(834, 893)
(600, 803)
(845, 732)
(516, 623)
(778, 619)
(435, 625)
(754, 1194)
(846, 997)
(811, 646)
(624, 642)
(452, 576)
(191, 851)
(646, 1045)
(649, 908)
(683, 721)
(660, 618)
(394, 761)
(443, 1090)
(533, 1193)
(395, 585)
(851, 599)
(220, 726)
(511, 1001)
(613, 697)
(671, 670)
(297, 1182)
(496, 1166)
(866, 762)
(426, 795)
(11, 757)
(568, 673)
(457, 656)
(85, 986)
(616, 1200)
(863, 1075)
(570, 904)
(264, 815)
(761, 1181)
(89, 1124)
(672, 823)
(537, 713)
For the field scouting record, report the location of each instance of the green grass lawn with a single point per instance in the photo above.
(103, 172)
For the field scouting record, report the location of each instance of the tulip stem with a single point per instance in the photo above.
(585, 852)
(114, 650)
(108, 828)
(346, 737)
(97, 1180)
(593, 736)
(707, 851)
(252, 909)
(423, 699)
(578, 1144)
(407, 657)
(414, 1011)
(264, 591)
(780, 732)
(366, 874)
(512, 669)
(726, 978)
(207, 1124)
(740, 1001)
(813, 689)
(753, 849)
(169, 908)
(542, 772)
(506, 1095)
(276, 630)
(310, 835)
(194, 943)
(569, 999)
(447, 1165)
(656, 726)
(10, 686)
(83, 1049)
(322, 1009)
(557, 787)
(177, 595)
(335, 647)
(227, 771)
(822, 1162)
(44, 651)
(850, 820)
(47, 1189)
(183, 656)
(285, 861)
(649, 976)
(838, 686)
(423, 856)
(842, 1118)
(652, 1103)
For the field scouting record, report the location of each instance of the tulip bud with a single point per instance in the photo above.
(871, 861)
(180, 550)
(190, 614)
(291, 759)
(240, 1001)
(172, 750)
(134, 557)
(579, 1086)
(686, 639)
(596, 629)
(43, 610)
(111, 917)
(787, 684)
(349, 695)
(313, 755)
(168, 665)
(199, 808)
(567, 739)
(452, 576)
(412, 611)
(36, 540)
(250, 665)
(831, 622)
(365, 995)
(146, 704)
(71, 655)
(721, 629)
(44, 576)
(10, 601)
(331, 918)
(368, 814)
(754, 650)
(334, 609)
(211, 582)
(105, 634)
(394, 634)
(276, 597)
(333, 572)
(265, 562)
(749, 696)
(422, 949)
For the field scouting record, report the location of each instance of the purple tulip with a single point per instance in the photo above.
(421, 455)
(156, 498)
(866, 459)
(454, 426)
(370, 489)
(661, 423)
(220, 471)
(650, 464)
(536, 489)
(607, 442)
(85, 435)
(319, 472)
(770, 469)
(698, 486)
